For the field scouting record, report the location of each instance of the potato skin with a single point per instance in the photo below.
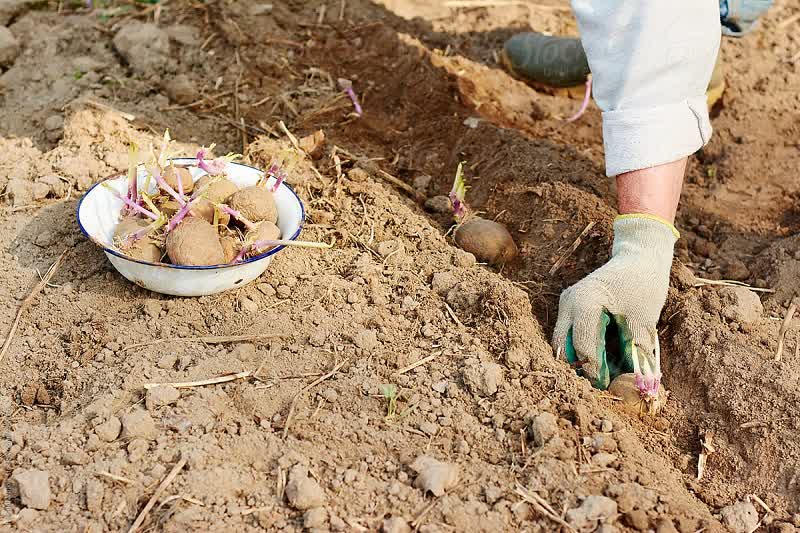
(255, 204)
(143, 249)
(624, 386)
(265, 231)
(203, 208)
(230, 247)
(194, 242)
(172, 174)
(219, 190)
(489, 241)
(169, 206)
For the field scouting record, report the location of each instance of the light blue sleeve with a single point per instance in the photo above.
(651, 62)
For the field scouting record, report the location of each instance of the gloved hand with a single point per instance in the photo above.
(739, 16)
(631, 287)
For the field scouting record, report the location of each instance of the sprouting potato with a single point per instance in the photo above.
(489, 241)
(255, 203)
(205, 209)
(176, 223)
(216, 188)
(173, 174)
(143, 249)
(264, 231)
(195, 242)
(624, 387)
(231, 246)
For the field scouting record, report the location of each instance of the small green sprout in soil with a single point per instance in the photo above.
(389, 392)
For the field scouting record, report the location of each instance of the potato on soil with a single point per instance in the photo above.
(204, 209)
(255, 204)
(172, 174)
(265, 231)
(230, 247)
(143, 249)
(489, 241)
(194, 242)
(624, 387)
(216, 188)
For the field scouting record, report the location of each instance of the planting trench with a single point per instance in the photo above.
(483, 401)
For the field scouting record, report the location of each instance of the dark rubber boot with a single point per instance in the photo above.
(558, 65)
(546, 61)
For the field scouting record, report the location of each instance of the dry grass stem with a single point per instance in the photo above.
(202, 383)
(28, 301)
(702, 282)
(785, 326)
(572, 248)
(541, 506)
(415, 364)
(115, 477)
(306, 389)
(708, 448)
(152, 501)
(214, 339)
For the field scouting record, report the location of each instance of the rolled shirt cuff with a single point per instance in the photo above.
(647, 137)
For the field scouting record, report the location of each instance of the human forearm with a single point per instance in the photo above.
(652, 191)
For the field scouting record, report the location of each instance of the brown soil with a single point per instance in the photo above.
(394, 291)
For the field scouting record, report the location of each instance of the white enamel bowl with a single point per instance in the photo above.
(98, 214)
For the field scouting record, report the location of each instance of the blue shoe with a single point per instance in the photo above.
(739, 17)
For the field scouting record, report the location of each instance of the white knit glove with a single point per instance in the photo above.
(632, 287)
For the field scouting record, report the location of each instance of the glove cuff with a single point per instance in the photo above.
(646, 236)
(647, 216)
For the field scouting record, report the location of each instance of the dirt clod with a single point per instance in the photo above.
(95, 492)
(638, 520)
(442, 282)
(109, 430)
(434, 476)
(740, 517)
(315, 518)
(438, 204)
(75, 457)
(314, 144)
(483, 379)
(181, 90)
(741, 305)
(138, 424)
(9, 47)
(160, 396)
(395, 524)
(144, 46)
(358, 174)
(303, 492)
(544, 427)
(33, 487)
(367, 340)
(593, 510)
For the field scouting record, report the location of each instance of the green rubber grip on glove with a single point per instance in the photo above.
(614, 335)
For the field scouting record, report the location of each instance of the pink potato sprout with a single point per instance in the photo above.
(648, 378)
(260, 245)
(458, 195)
(347, 86)
(217, 166)
(587, 96)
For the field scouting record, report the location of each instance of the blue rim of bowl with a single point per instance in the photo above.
(184, 160)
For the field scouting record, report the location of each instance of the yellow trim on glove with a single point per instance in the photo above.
(650, 217)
